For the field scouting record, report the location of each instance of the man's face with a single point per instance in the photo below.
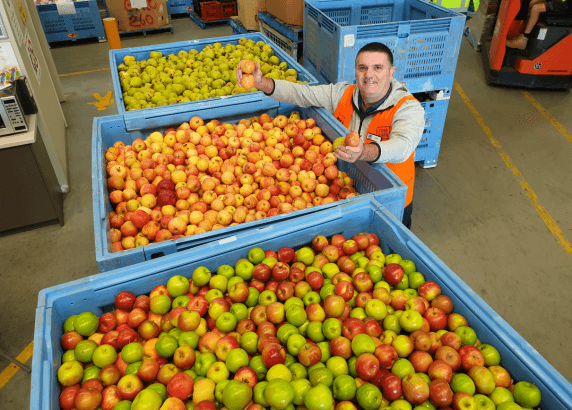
(373, 76)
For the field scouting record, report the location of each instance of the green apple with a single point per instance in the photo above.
(218, 372)
(301, 386)
(236, 395)
(159, 388)
(204, 361)
(279, 394)
(201, 276)
(402, 367)
(133, 352)
(279, 371)
(233, 280)
(92, 372)
(416, 279)
(218, 282)
(410, 320)
(267, 297)
(160, 304)
(190, 338)
(408, 266)
(322, 375)
(225, 270)
(258, 366)
(253, 295)
(501, 395)
(103, 355)
(338, 366)
(177, 285)
(490, 354)
(352, 366)
(330, 269)
(510, 406)
(219, 389)
(296, 315)
(325, 348)
(226, 322)
(270, 261)
(400, 404)
(358, 313)
(404, 284)
(86, 323)
(213, 294)
(123, 405)
(306, 256)
(294, 343)
(344, 387)
(256, 255)
(319, 397)
(392, 258)
(369, 396)
(165, 346)
(484, 402)
(69, 356)
(249, 342)
(391, 322)
(298, 371)
(68, 324)
(147, 399)
(182, 300)
(468, 335)
(311, 297)
(363, 343)
(376, 308)
(84, 350)
(460, 382)
(236, 359)
(526, 394)
(314, 331)
(258, 393)
(239, 310)
(375, 273)
(327, 289)
(285, 331)
(293, 301)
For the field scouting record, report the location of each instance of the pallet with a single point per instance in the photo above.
(207, 24)
(237, 27)
(293, 48)
(294, 33)
(168, 27)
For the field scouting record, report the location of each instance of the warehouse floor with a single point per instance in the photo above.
(500, 218)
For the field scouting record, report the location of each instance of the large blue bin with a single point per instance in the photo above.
(425, 39)
(380, 183)
(85, 23)
(134, 118)
(97, 294)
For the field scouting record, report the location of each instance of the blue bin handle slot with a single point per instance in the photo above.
(158, 250)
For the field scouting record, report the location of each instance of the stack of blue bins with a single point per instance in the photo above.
(424, 38)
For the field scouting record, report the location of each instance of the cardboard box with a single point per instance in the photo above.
(133, 19)
(289, 11)
(248, 13)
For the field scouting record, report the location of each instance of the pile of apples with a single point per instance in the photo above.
(335, 325)
(202, 177)
(195, 75)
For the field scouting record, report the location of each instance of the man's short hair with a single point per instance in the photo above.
(377, 48)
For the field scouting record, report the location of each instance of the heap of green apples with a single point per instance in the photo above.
(195, 75)
(335, 325)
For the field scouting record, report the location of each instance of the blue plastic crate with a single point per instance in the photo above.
(134, 118)
(380, 183)
(97, 294)
(425, 39)
(427, 150)
(179, 7)
(85, 23)
(237, 27)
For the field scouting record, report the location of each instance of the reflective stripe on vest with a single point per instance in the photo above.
(457, 5)
(379, 128)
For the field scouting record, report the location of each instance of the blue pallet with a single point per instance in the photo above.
(168, 27)
(85, 23)
(237, 27)
(97, 294)
(294, 33)
(380, 183)
(207, 24)
(425, 39)
(133, 119)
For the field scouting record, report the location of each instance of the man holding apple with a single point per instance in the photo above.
(387, 118)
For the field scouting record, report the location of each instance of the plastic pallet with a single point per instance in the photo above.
(85, 23)
(294, 33)
(237, 27)
(144, 32)
(424, 37)
(133, 118)
(380, 183)
(293, 48)
(97, 294)
(207, 24)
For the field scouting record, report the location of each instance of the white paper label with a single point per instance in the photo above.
(138, 4)
(542, 34)
(227, 240)
(65, 7)
(349, 40)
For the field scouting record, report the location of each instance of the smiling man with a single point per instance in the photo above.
(389, 120)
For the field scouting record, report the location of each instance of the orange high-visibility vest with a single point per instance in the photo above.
(381, 126)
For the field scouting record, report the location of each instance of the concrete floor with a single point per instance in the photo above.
(470, 210)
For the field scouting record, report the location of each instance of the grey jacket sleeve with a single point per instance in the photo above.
(406, 132)
(327, 96)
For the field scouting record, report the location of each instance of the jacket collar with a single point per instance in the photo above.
(397, 93)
